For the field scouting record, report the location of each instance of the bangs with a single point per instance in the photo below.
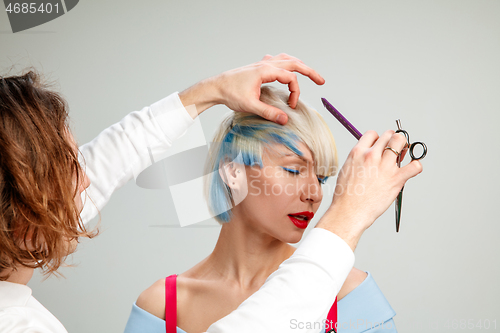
(252, 136)
(310, 128)
(244, 137)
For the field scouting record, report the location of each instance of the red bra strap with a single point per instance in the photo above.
(331, 319)
(171, 304)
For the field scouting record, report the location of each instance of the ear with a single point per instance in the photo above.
(232, 174)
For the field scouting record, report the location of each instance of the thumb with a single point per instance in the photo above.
(411, 170)
(269, 112)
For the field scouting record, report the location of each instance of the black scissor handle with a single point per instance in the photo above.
(411, 146)
(405, 133)
(424, 150)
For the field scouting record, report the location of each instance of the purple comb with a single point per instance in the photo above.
(357, 134)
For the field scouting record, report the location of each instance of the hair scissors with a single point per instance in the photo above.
(410, 147)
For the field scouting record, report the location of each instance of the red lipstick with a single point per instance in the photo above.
(301, 220)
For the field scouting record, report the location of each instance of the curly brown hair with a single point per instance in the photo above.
(38, 168)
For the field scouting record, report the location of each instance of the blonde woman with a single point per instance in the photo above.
(264, 187)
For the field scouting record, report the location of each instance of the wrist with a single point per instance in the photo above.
(346, 225)
(203, 95)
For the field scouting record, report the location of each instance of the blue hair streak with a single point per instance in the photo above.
(245, 145)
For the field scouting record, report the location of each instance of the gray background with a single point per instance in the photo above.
(434, 64)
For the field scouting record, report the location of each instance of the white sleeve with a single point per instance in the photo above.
(123, 150)
(22, 319)
(22, 323)
(296, 298)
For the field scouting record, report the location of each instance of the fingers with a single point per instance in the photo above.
(284, 56)
(299, 67)
(411, 170)
(382, 142)
(270, 112)
(283, 76)
(368, 139)
(293, 64)
(397, 142)
(293, 87)
(281, 68)
(234, 85)
(403, 153)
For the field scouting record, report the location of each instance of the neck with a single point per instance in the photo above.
(20, 274)
(245, 255)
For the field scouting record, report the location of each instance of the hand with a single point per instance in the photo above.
(368, 183)
(239, 89)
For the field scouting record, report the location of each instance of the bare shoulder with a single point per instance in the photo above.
(152, 299)
(354, 279)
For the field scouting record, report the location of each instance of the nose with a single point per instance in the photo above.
(311, 190)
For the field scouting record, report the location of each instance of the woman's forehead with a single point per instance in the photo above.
(279, 151)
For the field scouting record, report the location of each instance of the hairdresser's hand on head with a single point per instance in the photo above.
(367, 185)
(239, 89)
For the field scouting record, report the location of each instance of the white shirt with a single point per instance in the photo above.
(302, 289)
(20, 312)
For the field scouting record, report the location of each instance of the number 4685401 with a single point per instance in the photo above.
(471, 324)
(32, 8)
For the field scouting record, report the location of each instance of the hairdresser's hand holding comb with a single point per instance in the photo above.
(239, 89)
(367, 185)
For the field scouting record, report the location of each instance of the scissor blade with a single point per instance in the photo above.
(398, 204)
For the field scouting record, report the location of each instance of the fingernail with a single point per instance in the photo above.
(281, 119)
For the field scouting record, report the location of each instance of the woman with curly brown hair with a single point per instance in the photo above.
(43, 176)
(40, 207)
(41, 182)
(44, 207)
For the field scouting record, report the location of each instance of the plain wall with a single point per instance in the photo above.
(432, 63)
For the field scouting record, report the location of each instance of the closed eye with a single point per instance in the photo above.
(321, 180)
(293, 171)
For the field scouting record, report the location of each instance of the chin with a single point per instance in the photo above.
(293, 237)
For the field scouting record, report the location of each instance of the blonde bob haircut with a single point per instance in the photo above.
(244, 137)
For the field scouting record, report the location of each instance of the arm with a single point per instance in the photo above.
(125, 149)
(302, 289)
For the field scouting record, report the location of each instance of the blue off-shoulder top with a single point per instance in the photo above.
(365, 309)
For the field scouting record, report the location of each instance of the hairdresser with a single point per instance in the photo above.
(42, 187)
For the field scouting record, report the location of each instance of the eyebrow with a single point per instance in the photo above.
(302, 158)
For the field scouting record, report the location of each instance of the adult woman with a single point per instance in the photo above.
(264, 187)
(40, 205)
(41, 180)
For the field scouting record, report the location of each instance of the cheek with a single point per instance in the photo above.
(72, 245)
(79, 201)
(272, 191)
